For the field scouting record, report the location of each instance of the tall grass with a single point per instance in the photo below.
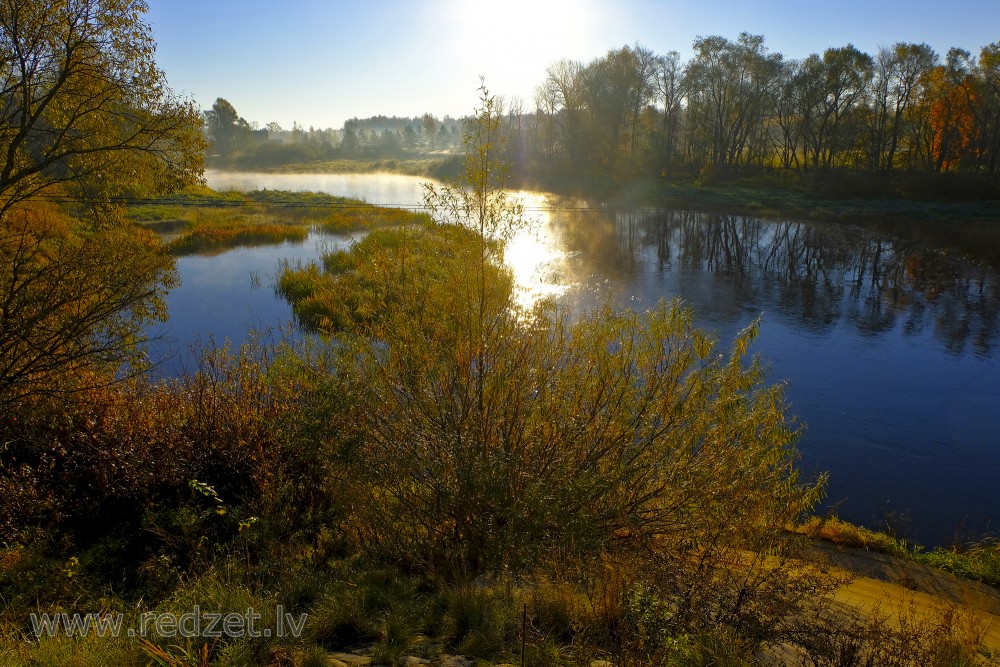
(213, 240)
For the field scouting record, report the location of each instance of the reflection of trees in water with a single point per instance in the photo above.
(814, 274)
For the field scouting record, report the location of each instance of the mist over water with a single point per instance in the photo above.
(382, 189)
(888, 347)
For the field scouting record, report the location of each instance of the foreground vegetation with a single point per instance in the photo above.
(447, 472)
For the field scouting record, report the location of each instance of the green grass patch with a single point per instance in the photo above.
(406, 166)
(207, 221)
(979, 561)
(389, 271)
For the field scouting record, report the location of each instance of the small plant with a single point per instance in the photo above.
(177, 656)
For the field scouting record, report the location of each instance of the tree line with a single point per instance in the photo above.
(736, 105)
(233, 138)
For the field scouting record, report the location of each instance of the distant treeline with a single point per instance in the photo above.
(735, 107)
(234, 140)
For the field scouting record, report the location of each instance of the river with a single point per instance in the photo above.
(888, 348)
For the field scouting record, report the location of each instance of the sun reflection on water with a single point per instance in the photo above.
(533, 255)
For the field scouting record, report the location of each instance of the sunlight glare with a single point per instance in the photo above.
(534, 257)
(511, 42)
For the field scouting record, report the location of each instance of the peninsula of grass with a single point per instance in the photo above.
(209, 221)
(425, 166)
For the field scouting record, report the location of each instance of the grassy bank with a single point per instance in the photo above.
(421, 166)
(204, 221)
(976, 561)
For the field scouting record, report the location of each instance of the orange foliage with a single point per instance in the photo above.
(951, 120)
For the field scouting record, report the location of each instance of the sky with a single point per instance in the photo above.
(321, 62)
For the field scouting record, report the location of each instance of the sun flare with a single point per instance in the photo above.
(515, 41)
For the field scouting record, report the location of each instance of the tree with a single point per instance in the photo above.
(987, 108)
(430, 128)
(83, 104)
(843, 76)
(669, 76)
(945, 124)
(616, 88)
(229, 130)
(84, 113)
(899, 74)
(561, 95)
(732, 88)
(73, 306)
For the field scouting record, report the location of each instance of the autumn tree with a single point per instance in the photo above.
(74, 306)
(944, 128)
(85, 113)
(83, 104)
(987, 109)
(732, 88)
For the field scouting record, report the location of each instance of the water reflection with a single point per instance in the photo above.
(888, 347)
(887, 344)
(815, 276)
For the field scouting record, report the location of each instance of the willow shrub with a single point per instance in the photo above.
(488, 443)
(491, 437)
(620, 429)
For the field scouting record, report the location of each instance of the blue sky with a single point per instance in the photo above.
(319, 62)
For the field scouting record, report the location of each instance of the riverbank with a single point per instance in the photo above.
(944, 211)
(434, 166)
(774, 194)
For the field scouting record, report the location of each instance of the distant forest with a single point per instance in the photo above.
(236, 141)
(734, 107)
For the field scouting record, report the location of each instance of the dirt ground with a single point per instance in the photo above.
(902, 592)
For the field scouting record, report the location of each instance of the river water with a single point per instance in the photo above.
(888, 348)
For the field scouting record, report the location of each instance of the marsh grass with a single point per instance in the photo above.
(208, 241)
(210, 222)
(405, 166)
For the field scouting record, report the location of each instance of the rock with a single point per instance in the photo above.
(351, 659)
(412, 660)
(333, 662)
(454, 661)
